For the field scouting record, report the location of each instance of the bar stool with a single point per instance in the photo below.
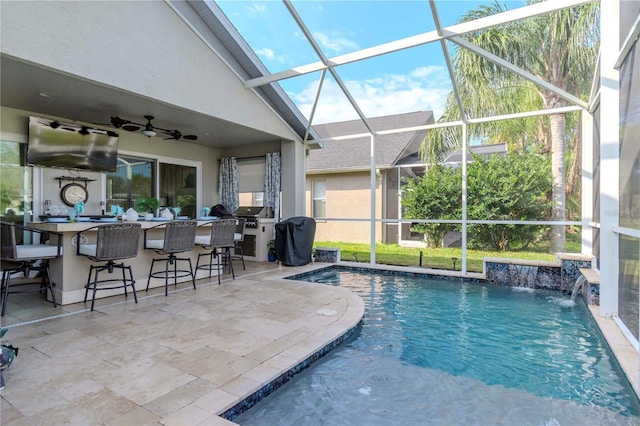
(238, 238)
(24, 258)
(179, 237)
(219, 242)
(115, 241)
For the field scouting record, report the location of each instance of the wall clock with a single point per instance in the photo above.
(74, 193)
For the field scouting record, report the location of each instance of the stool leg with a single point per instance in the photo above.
(47, 272)
(175, 271)
(5, 288)
(124, 279)
(231, 263)
(95, 288)
(88, 284)
(133, 282)
(238, 247)
(193, 275)
(166, 277)
(212, 253)
(150, 271)
(219, 270)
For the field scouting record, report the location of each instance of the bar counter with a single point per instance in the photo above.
(70, 271)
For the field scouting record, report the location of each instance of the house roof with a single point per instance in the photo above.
(354, 154)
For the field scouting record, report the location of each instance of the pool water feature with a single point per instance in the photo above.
(441, 352)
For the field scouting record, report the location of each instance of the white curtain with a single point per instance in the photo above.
(228, 184)
(272, 184)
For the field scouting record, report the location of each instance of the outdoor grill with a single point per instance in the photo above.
(258, 230)
(253, 214)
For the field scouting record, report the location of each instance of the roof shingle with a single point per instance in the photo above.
(353, 154)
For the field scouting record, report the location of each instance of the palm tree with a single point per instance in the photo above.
(559, 48)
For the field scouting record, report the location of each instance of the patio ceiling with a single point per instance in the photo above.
(87, 101)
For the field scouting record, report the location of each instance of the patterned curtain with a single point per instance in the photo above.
(228, 184)
(272, 184)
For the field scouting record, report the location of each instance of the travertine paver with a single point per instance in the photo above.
(173, 360)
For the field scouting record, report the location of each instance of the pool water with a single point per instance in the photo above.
(442, 352)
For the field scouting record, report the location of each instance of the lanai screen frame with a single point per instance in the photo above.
(604, 98)
(441, 35)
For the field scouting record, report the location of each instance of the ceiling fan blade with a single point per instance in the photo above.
(149, 129)
(118, 122)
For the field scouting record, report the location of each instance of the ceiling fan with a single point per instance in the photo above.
(148, 129)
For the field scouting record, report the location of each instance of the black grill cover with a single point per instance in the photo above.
(220, 211)
(294, 240)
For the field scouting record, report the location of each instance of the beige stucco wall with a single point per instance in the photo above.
(348, 196)
(143, 47)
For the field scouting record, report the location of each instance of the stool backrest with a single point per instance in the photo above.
(8, 240)
(117, 241)
(179, 236)
(239, 232)
(222, 233)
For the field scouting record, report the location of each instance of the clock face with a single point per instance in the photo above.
(73, 193)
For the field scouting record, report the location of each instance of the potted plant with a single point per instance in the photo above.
(148, 205)
(271, 245)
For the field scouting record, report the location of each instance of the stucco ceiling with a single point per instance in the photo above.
(80, 100)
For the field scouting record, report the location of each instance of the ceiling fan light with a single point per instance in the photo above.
(148, 133)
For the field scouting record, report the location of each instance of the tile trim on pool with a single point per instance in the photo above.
(392, 272)
(276, 383)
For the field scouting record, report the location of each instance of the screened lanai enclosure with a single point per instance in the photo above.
(554, 82)
(479, 124)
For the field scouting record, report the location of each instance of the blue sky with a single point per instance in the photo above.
(411, 80)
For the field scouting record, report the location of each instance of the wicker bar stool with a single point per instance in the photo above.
(179, 237)
(115, 241)
(218, 243)
(24, 258)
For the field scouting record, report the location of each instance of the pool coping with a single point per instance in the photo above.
(626, 355)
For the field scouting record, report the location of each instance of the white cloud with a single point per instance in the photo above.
(270, 55)
(334, 42)
(266, 53)
(423, 72)
(256, 8)
(424, 89)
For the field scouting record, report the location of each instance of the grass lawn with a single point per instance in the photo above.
(441, 258)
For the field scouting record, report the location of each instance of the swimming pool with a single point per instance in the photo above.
(440, 352)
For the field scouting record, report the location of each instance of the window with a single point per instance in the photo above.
(15, 183)
(133, 178)
(319, 198)
(178, 188)
(251, 173)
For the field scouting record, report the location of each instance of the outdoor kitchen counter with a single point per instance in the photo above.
(70, 271)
